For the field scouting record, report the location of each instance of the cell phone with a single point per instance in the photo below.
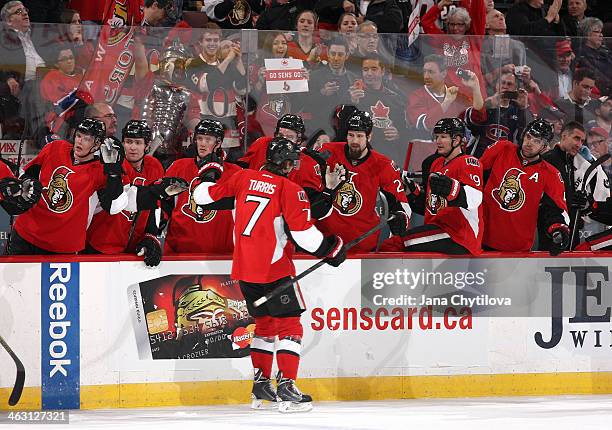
(510, 95)
(190, 317)
(463, 74)
(358, 84)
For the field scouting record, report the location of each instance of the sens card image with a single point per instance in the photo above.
(190, 316)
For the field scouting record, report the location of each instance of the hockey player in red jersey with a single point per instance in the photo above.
(113, 234)
(17, 195)
(452, 199)
(350, 208)
(517, 181)
(193, 228)
(270, 210)
(71, 177)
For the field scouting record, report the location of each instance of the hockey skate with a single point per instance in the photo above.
(263, 395)
(290, 397)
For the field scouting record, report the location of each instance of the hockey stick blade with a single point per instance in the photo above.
(585, 179)
(260, 301)
(20, 379)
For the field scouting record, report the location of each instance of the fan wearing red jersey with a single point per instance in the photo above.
(349, 209)
(17, 195)
(193, 228)
(517, 181)
(71, 177)
(110, 234)
(271, 212)
(452, 199)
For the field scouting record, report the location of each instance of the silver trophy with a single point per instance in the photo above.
(165, 106)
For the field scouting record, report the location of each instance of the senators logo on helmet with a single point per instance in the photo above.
(57, 195)
(510, 194)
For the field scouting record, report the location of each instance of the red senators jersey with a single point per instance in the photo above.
(512, 196)
(5, 171)
(193, 229)
(308, 174)
(464, 226)
(59, 220)
(353, 211)
(265, 205)
(108, 233)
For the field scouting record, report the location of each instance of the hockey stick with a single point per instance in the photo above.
(384, 215)
(260, 301)
(585, 179)
(20, 379)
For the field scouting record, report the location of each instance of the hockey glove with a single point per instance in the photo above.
(337, 255)
(399, 224)
(211, 172)
(112, 155)
(560, 235)
(9, 188)
(31, 189)
(335, 178)
(169, 187)
(411, 186)
(582, 201)
(19, 195)
(444, 186)
(150, 248)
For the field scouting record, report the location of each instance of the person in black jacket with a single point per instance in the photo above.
(282, 14)
(593, 53)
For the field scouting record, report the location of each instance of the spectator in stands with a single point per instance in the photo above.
(208, 45)
(233, 14)
(329, 84)
(105, 113)
(282, 14)
(603, 115)
(555, 117)
(577, 106)
(155, 12)
(557, 83)
(64, 78)
(331, 12)
(594, 55)
(91, 11)
(527, 18)
(489, 5)
(460, 50)
(499, 54)
(386, 14)
(386, 107)
(435, 100)
(347, 26)
(306, 45)
(574, 16)
(506, 116)
(598, 142)
(72, 32)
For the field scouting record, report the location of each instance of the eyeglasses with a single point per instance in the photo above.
(20, 11)
(60, 60)
(107, 116)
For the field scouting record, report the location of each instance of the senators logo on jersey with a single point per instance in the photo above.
(435, 203)
(510, 194)
(348, 199)
(131, 215)
(57, 195)
(195, 211)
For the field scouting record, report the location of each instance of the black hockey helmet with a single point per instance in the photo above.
(360, 121)
(137, 129)
(92, 127)
(280, 150)
(210, 127)
(540, 129)
(452, 126)
(291, 122)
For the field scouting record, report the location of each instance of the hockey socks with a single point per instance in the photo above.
(262, 345)
(290, 333)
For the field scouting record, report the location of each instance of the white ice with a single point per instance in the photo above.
(515, 413)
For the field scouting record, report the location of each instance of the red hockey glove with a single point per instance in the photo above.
(337, 255)
(211, 172)
(444, 186)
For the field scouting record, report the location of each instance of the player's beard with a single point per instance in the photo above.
(356, 154)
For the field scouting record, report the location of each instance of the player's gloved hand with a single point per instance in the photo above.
(410, 184)
(150, 248)
(9, 188)
(399, 224)
(335, 178)
(444, 186)
(31, 189)
(337, 255)
(211, 171)
(112, 155)
(19, 195)
(582, 201)
(169, 186)
(560, 235)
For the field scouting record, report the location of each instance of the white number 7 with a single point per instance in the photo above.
(262, 202)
